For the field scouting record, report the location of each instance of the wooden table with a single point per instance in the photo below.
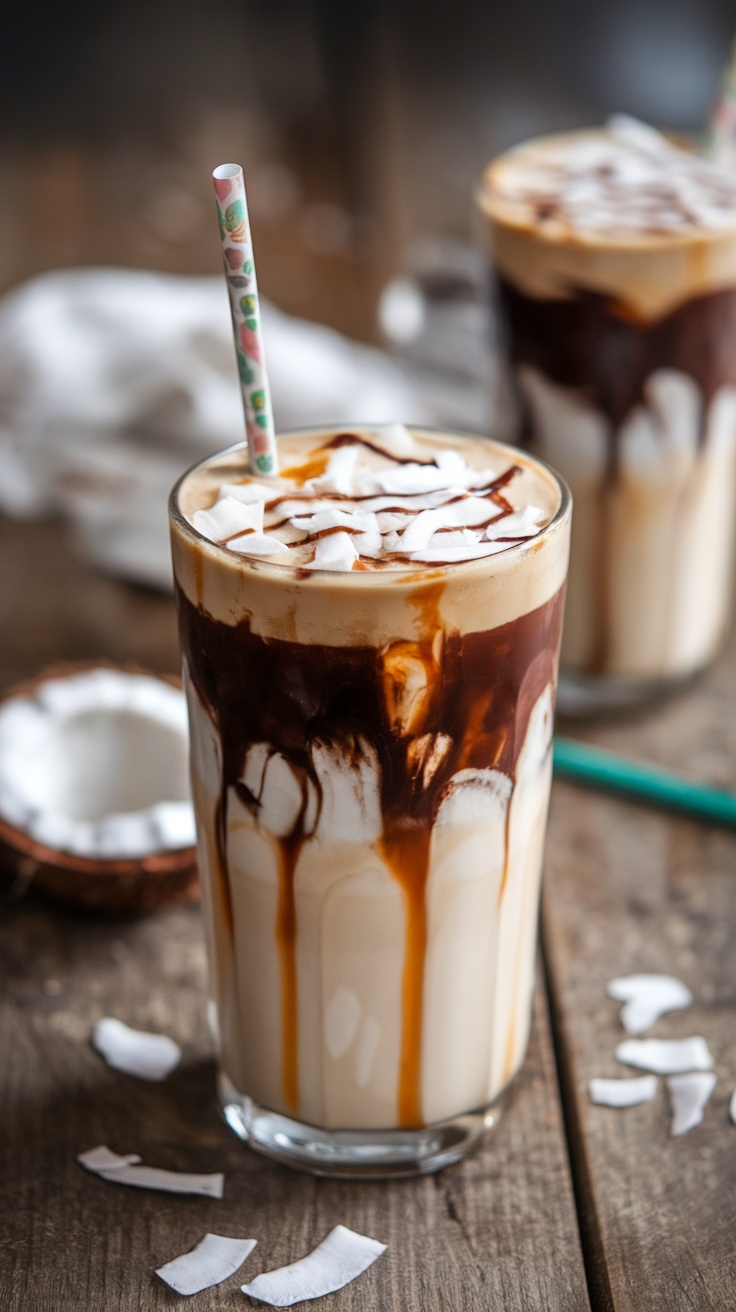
(568, 1207)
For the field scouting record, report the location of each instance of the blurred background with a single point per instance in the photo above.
(362, 126)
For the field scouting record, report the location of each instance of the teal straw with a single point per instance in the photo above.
(646, 783)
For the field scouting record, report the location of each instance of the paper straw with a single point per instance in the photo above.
(720, 137)
(645, 783)
(240, 273)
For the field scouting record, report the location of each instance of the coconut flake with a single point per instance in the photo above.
(689, 1095)
(149, 1056)
(258, 544)
(732, 1107)
(248, 493)
(340, 1257)
(127, 1170)
(334, 552)
(666, 1056)
(623, 1093)
(227, 517)
(215, 1258)
(102, 1159)
(646, 998)
(335, 517)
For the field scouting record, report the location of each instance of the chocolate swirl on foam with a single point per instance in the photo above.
(411, 714)
(628, 181)
(335, 511)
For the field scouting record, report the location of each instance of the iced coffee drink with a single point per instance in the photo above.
(370, 645)
(615, 254)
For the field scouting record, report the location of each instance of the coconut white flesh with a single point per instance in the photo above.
(215, 1258)
(148, 1056)
(129, 1170)
(95, 764)
(623, 1093)
(340, 1257)
(646, 998)
(689, 1095)
(666, 1056)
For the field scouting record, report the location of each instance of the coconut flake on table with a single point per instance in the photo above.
(623, 1093)
(85, 759)
(214, 1259)
(666, 1056)
(646, 998)
(129, 1170)
(340, 1258)
(135, 1052)
(689, 1095)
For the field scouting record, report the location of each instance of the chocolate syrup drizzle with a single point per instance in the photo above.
(316, 464)
(480, 690)
(589, 342)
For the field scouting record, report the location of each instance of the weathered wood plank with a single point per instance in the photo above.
(629, 890)
(496, 1232)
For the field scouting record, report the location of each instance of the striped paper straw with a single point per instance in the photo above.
(240, 273)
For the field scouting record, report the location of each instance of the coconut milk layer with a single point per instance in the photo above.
(616, 261)
(371, 767)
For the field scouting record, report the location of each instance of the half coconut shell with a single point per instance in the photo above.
(134, 884)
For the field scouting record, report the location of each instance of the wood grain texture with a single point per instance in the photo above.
(497, 1232)
(630, 890)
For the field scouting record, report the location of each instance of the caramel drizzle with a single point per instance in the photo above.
(286, 929)
(406, 852)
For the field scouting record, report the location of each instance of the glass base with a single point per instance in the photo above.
(354, 1154)
(582, 695)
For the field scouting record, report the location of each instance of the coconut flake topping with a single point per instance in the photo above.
(628, 180)
(378, 502)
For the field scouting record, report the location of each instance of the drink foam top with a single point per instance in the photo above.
(623, 183)
(379, 500)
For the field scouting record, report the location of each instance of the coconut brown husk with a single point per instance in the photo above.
(135, 885)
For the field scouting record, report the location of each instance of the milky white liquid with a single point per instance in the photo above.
(352, 912)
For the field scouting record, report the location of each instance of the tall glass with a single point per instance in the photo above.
(615, 257)
(371, 763)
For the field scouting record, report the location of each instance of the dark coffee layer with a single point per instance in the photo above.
(481, 688)
(589, 343)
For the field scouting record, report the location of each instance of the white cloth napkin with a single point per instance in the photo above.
(114, 381)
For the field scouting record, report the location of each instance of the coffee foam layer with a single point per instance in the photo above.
(369, 538)
(619, 210)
